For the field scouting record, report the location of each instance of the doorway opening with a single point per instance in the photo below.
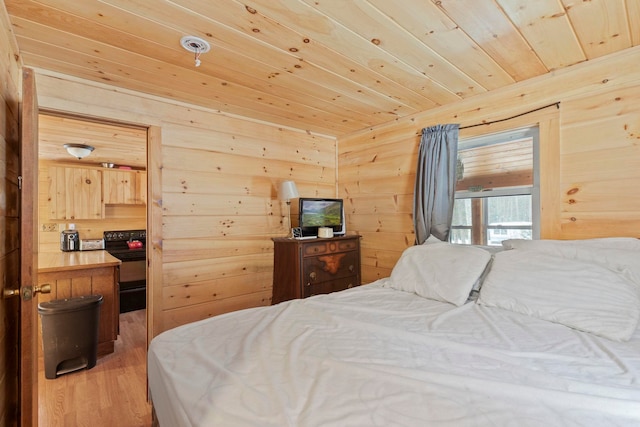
(117, 167)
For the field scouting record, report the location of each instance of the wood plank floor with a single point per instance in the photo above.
(113, 393)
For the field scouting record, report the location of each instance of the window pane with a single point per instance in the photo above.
(461, 218)
(460, 236)
(461, 212)
(509, 210)
(509, 217)
(495, 237)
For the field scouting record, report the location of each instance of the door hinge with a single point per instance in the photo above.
(20, 182)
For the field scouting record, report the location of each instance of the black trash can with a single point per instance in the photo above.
(69, 334)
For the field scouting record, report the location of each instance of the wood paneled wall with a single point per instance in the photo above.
(10, 94)
(590, 157)
(220, 210)
(214, 181)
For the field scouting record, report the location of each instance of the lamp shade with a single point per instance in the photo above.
(79, 150)
(288, 190)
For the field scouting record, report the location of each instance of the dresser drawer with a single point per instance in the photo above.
(329, 246)
(330, 266)
(330, 286)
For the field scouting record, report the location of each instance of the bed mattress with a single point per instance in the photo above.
(374, 356)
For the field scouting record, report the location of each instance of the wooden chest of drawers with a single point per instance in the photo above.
(303, 268)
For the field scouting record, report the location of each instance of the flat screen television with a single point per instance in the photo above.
(316, 213)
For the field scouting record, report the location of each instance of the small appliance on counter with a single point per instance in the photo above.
(69, 239)
(91, 244)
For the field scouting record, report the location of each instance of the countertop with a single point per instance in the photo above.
(49, 262)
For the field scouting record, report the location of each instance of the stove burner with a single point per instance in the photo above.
(124, 236)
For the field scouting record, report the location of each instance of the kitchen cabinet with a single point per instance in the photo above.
(122, 187)
(303, 268)
(75, 193)
(74, 274)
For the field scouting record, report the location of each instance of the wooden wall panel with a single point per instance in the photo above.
(186, 294)
(589, 148)
(218, 176)
(220, 210)
(191, 313)
(184, 249)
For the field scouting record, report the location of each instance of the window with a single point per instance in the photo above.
(497, 195)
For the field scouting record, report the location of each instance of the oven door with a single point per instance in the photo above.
(133, 271)
(133, 285)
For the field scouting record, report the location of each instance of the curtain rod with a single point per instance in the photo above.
(557, 104)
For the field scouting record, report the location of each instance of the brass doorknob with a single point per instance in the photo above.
(8, 293)
(28, 292)
(44, 289)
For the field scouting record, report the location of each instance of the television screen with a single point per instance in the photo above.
(315, 213)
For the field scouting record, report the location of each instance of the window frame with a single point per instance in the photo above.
(533, 132)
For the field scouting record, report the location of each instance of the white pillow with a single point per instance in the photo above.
(581, 295)
(619, 254)
(439, 271)
(602, 243)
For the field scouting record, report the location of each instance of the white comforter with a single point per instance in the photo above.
(373, 356)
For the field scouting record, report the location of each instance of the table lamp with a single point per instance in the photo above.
(288, 191)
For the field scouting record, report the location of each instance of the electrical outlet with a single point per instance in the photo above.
(50, 227)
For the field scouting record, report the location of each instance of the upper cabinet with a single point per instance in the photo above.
(75, 193)
(124, 187)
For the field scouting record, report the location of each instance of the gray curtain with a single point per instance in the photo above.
(435, 182)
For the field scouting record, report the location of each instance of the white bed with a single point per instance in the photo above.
(392, 353)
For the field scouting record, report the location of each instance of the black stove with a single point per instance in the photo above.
(133, 279)
(117, 244)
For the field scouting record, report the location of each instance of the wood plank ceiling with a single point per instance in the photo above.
(327, 66)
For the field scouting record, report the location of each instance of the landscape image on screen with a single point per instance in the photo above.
(320, 213)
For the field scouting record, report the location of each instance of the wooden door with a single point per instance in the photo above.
(10, 248)
(28, 379)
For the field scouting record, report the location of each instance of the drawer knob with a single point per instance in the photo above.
(312, 275)
(352, 268)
